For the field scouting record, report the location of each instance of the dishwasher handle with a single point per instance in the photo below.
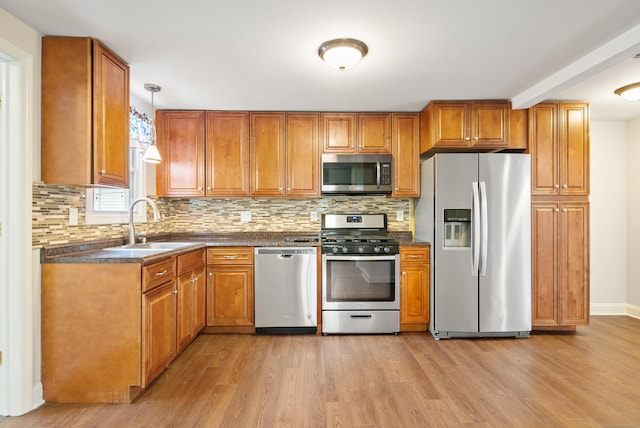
(285, 252)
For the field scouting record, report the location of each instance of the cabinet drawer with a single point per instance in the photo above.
(414, 255)
(230, 256)
(158, 273)
(190, 261)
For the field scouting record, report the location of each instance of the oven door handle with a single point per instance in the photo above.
(367, 258)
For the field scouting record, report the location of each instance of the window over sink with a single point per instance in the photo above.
(105, 206)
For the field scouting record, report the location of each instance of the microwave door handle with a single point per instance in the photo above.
(378, 174)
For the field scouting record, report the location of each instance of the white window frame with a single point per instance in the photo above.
(139, 215)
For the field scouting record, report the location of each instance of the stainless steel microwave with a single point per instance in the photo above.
(353, 174)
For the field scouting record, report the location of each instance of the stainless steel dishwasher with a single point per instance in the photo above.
(286, 290)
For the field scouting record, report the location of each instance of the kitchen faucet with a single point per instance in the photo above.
(156, 217)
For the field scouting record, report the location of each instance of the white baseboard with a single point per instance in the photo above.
(633, 311)
(615, 309)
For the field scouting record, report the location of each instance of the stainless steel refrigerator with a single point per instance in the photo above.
(475, 210)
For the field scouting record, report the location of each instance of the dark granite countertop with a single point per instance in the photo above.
(94, 251)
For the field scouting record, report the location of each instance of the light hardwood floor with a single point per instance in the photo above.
(590, 378)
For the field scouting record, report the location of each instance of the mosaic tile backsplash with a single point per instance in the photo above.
(51, 205)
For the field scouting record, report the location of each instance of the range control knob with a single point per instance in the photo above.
(387, 249)
(345, 250)
(376, 249)
(361, 249)
(334, 250)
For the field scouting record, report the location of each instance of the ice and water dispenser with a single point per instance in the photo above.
(457, 228)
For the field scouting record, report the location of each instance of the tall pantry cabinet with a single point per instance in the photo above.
(559, 146)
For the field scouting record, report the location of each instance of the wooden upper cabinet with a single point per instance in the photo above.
(339, 132)
(227, 153)
(85, 113)
(268, 153)
(406, 156)
(374, 133)
(464, 125)
(180, 138)
(356, 133)
(559, 146)
(285, 155)
(303, 155)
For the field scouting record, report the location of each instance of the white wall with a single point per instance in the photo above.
(608, 218)
(633, 210)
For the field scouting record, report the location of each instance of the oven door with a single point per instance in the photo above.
(360, 282)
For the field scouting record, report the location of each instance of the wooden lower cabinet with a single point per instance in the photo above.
(560, 263)
(230, 289)
(110, 329)
(414, 288)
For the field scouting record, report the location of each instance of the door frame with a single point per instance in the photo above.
(20, 385)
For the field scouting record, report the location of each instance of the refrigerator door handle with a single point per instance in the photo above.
(475, 237)
(484, 239)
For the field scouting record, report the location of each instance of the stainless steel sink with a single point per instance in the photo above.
(150, 247)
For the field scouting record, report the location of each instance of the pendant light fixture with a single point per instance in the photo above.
(342, 54)
(629, 92)
(152, 155)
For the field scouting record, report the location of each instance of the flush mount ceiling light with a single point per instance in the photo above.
(152, 155)
(629, 92)
(342, 54)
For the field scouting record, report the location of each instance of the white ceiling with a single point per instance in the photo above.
(262, 55)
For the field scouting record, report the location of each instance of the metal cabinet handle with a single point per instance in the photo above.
(102, 172)
(467, 139)
(229, 257)
(564, 210)
(556, 210)
(556, 186)
(162, 272)
(413, 256)
(174, 291)
(475, 138)
(564, 186)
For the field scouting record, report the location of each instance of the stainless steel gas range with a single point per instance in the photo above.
(360, 275)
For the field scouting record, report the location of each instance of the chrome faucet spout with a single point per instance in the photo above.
(156, 216)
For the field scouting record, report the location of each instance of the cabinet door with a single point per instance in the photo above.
(544, 268)
(111, 118)
(374, 133)
(406, 156)
(180, 139)
(230, 296)
(303, 157)
(489, 124)
(267, 154)
(227, 153)
(199, 300)
(543, 145)
(158, 330)
(184, 302)
(573, 119)
(450, 124)
(339, 132)
(414, 305)
(574, 263)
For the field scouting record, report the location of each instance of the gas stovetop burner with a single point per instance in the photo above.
(364, 234)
